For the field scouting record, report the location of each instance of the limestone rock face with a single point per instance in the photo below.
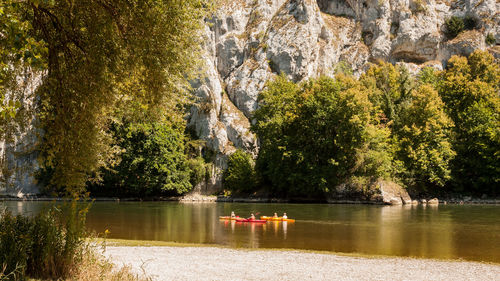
(249, 42)
(379, 192)
(19, 142)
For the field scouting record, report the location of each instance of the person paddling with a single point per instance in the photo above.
(275, 216)
(284, 216)
(233, 215)
(252, 217)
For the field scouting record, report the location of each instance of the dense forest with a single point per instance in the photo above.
(115, 95)
(434, 133)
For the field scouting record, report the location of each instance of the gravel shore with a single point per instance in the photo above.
(212, 263)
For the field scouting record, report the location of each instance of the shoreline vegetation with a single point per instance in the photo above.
(54, 245)
(465, 200)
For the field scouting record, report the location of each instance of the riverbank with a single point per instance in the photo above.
(212, 198)
(214, 263)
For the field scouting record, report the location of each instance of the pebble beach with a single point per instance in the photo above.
(214, 263)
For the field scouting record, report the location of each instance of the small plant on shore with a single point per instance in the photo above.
(53, 245)
(45, 246)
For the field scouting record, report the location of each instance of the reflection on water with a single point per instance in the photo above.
(468, 232)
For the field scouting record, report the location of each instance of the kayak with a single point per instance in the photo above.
(251, 220)
(276, 219)
(229, 218)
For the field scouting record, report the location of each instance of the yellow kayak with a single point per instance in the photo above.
(229, 218)
(276, 219)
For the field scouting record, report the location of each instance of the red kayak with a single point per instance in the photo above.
(251, 220)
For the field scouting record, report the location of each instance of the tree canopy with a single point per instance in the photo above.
(103, 60)
(318, 134)
(437, 131)
(470, 89)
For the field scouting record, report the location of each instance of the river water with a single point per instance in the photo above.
(470, 232)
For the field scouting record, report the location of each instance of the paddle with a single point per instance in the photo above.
(255, 215)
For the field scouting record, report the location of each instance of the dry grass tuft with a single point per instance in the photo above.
(94, 266)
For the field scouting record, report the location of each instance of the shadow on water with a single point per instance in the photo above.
(445, 232)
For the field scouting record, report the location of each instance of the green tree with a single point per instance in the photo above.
(102, 57)
(153, 162)
(240, 175)
(423, 135)
(317, 135)
(19, 51)
(420, 129)
(389, 88)
(469, 89)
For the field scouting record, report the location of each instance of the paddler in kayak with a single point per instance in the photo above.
(233, 215)
(284, 216)
(252, 217)
(275, 216)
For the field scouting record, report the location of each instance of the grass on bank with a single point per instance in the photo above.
(54, 245)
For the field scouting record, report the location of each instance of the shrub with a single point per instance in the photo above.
(198, 170)
(470, 22)
(153, 162)
(52, 245)
(419, 6)
(454, 25)
(46, 246)
(490, 39)
(343, 67)
(240, 174)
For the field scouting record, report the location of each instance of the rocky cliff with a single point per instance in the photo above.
(250, 41)
(19, 140)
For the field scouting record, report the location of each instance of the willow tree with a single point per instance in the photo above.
(19, 51)
(106, 59)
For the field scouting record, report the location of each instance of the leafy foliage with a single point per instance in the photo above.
(318, 134)
(103, 59)
(153, 162)
(19, 50)
(389, 88)
(469, 89)
(240, 175)
(419, 126)
(454, 25)
(46, 246)
(423, 136)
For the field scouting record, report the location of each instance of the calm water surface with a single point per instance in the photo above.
(469, 232)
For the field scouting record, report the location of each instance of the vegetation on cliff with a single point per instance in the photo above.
(435, 132)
